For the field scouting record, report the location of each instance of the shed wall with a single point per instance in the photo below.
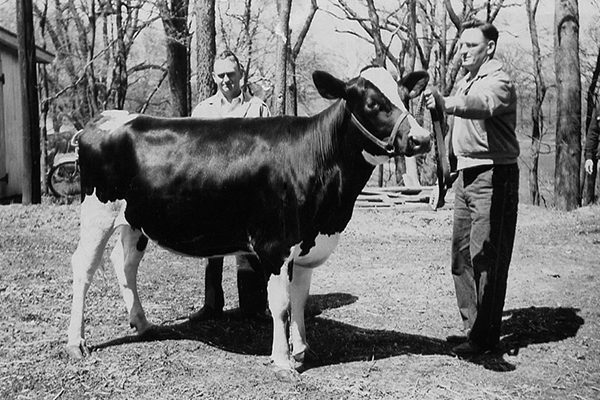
(13, 126)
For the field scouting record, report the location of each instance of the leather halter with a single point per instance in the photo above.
(387, 146)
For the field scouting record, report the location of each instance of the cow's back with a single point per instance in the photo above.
(197, 187)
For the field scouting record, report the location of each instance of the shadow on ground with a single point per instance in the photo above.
(526, 326)
(335, 342)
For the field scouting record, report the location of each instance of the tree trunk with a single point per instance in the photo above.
(119, 76)
(205, 48)
(568, 127)
(248, 41)
(282, 32)
(292, 90)
(291, 102)
(174, 17)
(537, 114)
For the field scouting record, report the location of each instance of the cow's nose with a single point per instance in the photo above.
(418, 144)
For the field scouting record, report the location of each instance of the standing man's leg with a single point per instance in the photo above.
(462, 269)
(496, 255)
(214, 299)
(493, 199)
(252, 286)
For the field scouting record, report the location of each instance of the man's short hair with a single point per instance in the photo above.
(229, 55)
(488, 30)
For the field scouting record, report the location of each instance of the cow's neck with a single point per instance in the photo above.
(340, 150)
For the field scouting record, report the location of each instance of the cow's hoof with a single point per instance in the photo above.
(286, 374)
(78, 351)
(305, 359)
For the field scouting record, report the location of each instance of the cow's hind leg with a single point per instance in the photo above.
(126, 257)
(97, 225)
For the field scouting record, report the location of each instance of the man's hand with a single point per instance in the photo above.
(589, 166)
(430, 98)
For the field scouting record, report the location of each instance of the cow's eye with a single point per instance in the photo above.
(371, 105)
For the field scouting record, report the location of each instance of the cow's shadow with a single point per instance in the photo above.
(335, 342)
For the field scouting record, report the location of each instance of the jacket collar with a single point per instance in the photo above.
(488, 68)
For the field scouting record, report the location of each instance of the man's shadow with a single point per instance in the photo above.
(335, 342)
(525, 326)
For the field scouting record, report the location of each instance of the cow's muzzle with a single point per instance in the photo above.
(417, 145)
(387, 145)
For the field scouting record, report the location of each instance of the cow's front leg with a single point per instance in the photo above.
(126, 257)
(279, 303)
(299, 291)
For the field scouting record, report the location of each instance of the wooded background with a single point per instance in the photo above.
(155, 57)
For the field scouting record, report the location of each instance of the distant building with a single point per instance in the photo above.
(12, 163)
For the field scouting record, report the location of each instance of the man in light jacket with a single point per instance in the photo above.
(483, 139)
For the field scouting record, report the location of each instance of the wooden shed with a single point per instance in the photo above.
(12, 162)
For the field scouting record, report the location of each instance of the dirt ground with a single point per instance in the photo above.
(379, 311)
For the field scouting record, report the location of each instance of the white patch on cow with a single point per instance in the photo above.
(383, 80)
(319, 253)
(374, 160)
(116, 119)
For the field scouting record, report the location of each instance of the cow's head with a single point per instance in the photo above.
(375, 107)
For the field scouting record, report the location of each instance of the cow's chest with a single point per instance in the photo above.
(319, 253)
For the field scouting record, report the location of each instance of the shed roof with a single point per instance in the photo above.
(10, 42)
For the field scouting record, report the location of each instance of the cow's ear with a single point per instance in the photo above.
(414, 83)
(329, 86)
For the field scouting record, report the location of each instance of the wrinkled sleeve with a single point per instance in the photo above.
(495, 98)
(591, 140)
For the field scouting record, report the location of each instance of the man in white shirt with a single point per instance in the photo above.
(232, 101)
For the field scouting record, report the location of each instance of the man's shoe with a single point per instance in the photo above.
(205, 313)
(469, 349)
(456, 339)
(260, 316)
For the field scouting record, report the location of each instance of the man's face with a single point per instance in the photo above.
(227, 76)
(475, 49)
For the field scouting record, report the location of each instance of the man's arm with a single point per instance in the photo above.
(591, 141)
(493, 98)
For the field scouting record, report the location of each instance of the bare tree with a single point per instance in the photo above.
(205, 47)
(118, 87)
(282, 32)
(86, 79)
(174, 15)
(291, 103)
(537, 113)
(568, 127)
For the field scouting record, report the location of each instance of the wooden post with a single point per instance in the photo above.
(32, 193)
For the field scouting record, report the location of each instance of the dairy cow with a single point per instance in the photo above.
(282, 188)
